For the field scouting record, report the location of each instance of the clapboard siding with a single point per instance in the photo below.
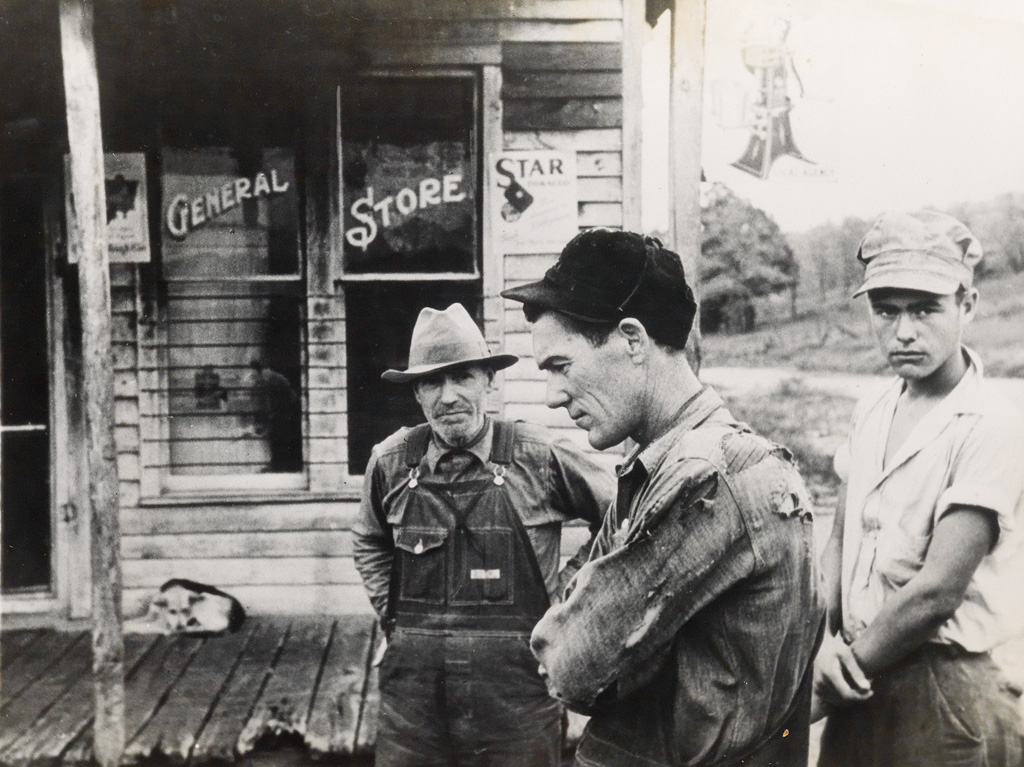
(500, 9)
(568, 57)
(525, 84)
(554, 70)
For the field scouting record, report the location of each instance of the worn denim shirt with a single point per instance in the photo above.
(550, 481)
(687, 634)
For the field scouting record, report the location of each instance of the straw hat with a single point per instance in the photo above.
(446, 339)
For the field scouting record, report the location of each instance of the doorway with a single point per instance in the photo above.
(26, 530)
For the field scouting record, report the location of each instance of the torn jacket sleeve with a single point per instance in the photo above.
(612, 633)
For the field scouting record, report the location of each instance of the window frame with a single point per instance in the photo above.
(158, 482)
(490, 140)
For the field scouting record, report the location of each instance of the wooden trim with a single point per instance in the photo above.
(634, 28)
(493, 255)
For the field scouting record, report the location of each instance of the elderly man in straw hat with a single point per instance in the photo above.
(924, 567)
(457, 543)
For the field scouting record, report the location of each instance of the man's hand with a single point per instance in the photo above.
(838, 679)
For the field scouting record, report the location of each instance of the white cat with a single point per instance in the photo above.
(189, 607)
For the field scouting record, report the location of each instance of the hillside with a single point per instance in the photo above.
(837, 336)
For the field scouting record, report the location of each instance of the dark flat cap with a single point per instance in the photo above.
(606, 275)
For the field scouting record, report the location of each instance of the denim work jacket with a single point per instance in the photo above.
(687, 634)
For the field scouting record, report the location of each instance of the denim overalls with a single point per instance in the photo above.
(458, 683)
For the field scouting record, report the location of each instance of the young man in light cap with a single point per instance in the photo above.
(457, 543)
(924, 569)
(689, 634)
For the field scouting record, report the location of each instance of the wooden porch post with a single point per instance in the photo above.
(686, 107)
(87, 239)
(633, 32)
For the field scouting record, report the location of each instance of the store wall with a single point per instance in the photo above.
(560, 69)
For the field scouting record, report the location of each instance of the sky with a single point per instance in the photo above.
(896, 104)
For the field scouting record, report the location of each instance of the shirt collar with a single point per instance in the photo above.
(692, 414)
(966, 396)
(436, 450)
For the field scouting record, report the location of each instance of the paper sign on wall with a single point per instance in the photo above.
(533, 200)
(127, 211)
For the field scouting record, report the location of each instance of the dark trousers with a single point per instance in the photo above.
(465, 700)
(938, 707)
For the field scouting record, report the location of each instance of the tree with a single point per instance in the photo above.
(743, 255)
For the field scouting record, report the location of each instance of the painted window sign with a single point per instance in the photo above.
(409, 176)
(185, 214)
(409, 208)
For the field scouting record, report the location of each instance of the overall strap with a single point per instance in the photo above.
(503, 442)
(416, 445)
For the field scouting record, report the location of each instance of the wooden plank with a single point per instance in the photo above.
(21, 713)
(316, 543)
(13, 643)
(559, 56)
(287, 699)
(310, 599)
(217, 739)
(413, 54)
(598, 164)
(229, 518)
(366, 737)
(599, 189)
(600, 214)
(454, 10)
(69, 717)
(489, 31)
(556, 114)
(590, 140)
(527, 267)
(31, 665)
(524, 84)
(147, 688)
(334, 720)
(152, 573)
(173, 730)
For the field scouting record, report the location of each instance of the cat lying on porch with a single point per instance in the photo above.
(189, 607)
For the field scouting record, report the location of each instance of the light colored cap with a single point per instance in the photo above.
(446, 339)
(924, 250)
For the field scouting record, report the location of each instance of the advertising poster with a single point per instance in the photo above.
(127, 216)
(533, 200)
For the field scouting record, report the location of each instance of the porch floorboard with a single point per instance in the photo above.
(299, 681)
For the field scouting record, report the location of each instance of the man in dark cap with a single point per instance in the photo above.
(923, 571)
(458, 542)
(688, 635)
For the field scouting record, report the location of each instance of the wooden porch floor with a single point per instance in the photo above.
(302, 681)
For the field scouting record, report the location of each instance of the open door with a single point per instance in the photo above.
(39, 526)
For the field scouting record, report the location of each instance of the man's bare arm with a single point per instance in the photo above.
(912, 616)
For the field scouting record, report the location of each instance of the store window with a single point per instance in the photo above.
(410, 180)
(232, 273)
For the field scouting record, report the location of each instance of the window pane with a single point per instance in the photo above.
(409, 168)
(233, 356)
(229, 213)
(380, 321)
